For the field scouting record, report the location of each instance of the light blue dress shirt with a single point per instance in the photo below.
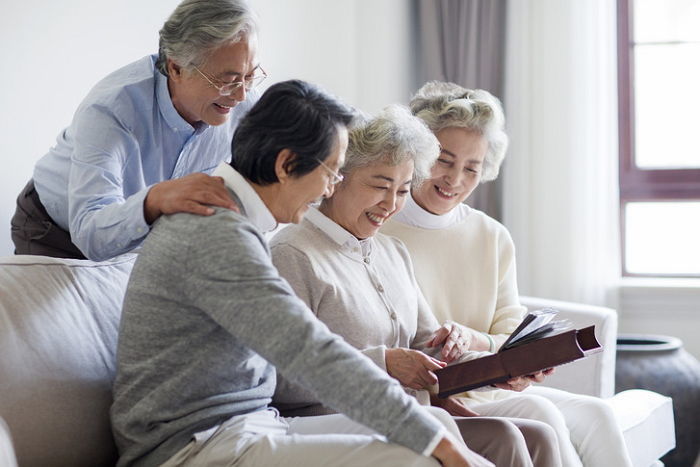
(125, 137)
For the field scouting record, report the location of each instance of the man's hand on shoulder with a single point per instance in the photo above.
(195, 193)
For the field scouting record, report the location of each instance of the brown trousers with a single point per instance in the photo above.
(35, 233)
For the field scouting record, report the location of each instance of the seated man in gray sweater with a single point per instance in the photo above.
(207, 320)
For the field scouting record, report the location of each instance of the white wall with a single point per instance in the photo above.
(53, 52)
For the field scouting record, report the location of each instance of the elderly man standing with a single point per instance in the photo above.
(144, 138)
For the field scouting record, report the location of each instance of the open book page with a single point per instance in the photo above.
(536, 325)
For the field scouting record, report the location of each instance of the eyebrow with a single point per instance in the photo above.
(450, 153)
(389, 179)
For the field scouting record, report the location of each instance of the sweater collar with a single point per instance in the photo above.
(414, 215)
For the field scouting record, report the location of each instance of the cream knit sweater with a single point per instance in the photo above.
(465, 269)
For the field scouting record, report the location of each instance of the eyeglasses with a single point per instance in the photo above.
(335, 176)
(226, 89)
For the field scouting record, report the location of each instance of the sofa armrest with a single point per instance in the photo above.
(594, 375)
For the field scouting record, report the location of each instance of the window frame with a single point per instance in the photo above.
(640, 184)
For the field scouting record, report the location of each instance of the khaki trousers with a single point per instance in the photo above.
(264, 438)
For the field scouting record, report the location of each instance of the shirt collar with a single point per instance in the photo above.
(255, 209)
(347, 241)
(414, 215)
(168, 110)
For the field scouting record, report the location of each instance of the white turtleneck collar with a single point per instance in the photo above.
(414, 215)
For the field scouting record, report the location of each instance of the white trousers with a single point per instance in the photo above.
(586, 428)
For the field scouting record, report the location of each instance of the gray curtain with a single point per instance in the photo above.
(463, 41)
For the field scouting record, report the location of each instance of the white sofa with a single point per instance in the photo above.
(58, 331)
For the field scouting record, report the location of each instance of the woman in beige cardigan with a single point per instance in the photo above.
(361, 285)
(465, 266)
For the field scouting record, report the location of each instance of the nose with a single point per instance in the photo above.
(389, 201)
(239, 94)
(453, 177)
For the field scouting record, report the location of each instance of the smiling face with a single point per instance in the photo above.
(369, 196)
(299, 193)
(195, 99)
(456, 173)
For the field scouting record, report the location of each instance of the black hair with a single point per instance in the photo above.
(293, 115)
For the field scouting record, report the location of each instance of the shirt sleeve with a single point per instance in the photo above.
(234, 281)
(102, 222)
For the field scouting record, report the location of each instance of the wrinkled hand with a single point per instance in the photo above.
(452, 453)
(454, 338)
(540, 375)
(515, 384)
(194, 193)
(412, 368)
(453, 406)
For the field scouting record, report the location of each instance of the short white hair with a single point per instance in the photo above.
(394, 136)
(198, 27)
(447, 105)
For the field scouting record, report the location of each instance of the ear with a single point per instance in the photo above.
(282, 164)
(174, 70)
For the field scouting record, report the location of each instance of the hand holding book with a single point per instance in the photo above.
(538, 344)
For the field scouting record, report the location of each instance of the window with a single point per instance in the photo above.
(659, 104)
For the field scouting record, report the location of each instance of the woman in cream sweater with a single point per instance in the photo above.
(465, 266)
(362, 286)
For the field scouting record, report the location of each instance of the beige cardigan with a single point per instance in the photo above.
(373, 301)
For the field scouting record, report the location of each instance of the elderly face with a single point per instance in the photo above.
(298, 193)
(369, 196)
(195, 99)
(456, 173)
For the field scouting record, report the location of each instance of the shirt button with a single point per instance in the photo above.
(393, 315)
(367, 259)
(380, 288)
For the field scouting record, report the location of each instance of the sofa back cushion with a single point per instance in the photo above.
(58, 336)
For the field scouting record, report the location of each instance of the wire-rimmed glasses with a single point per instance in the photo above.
(226, 89)
(335, 176)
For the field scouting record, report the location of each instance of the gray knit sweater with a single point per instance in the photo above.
(205, 318)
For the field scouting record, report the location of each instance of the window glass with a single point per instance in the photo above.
(667, 100)
(662, 238)
(666, 20)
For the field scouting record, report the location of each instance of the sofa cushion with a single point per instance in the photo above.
(58, 334)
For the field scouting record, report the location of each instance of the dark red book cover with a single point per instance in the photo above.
(522, 360)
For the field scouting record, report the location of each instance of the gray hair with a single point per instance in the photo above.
(197, 27)
(445, 105)
(394, 136)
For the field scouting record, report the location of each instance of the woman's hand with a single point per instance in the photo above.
(523, 382)
(452, 453)
(515, 384)
(412, 368)
(453, 406)
(454, 338)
